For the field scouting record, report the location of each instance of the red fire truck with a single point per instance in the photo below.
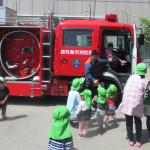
(43, 60)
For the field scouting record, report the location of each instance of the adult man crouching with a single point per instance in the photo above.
(91, 70)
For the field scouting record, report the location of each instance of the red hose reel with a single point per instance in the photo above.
(20, 54)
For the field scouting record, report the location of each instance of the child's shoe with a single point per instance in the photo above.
(100, 130)
(131, 143)
(80, 136)
(116, 124)
(107, 123)
(138, 144)
(84, 136)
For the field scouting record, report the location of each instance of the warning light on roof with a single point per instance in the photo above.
(111, 17)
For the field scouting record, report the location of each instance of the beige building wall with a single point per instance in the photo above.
(128, 11)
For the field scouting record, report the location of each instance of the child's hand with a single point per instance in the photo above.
(76, 117)
(110, 59)
(94, 98)
(96, 82)
(2, 102)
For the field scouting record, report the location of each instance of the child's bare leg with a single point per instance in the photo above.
(86, 124)
(115, 119)
(100, 126)
(81, 124)
(107, 118)
(100, 119)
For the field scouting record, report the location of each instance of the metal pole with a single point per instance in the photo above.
(50, 43)
(57, 6)
(69, 7)
(130, 12)
(16, 5)
(32, 7)
(53, 5)
(13, 4)
(106, 6)
(90, 10)
(94, 9)
(61, 16)
(1, 2)
(118, 11)
(44, 7)
(19, 6)
(48, 5)
(81, 7)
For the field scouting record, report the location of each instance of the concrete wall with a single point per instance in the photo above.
(128, 11)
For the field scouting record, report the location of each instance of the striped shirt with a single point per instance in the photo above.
(66, 144)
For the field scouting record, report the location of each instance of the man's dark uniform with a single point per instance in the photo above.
(91, 71)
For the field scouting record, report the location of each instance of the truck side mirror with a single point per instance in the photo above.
(141, 39)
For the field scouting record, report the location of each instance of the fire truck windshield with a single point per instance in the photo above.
(77, 37)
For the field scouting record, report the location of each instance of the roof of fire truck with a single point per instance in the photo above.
(110, 21)
(95, 23)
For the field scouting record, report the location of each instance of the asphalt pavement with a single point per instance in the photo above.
(30, 119)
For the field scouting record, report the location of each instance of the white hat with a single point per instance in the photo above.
(1, 79)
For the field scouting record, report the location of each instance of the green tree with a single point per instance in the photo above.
(145, 24)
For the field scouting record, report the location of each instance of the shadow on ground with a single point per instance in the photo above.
(38, 101)
(13, 118)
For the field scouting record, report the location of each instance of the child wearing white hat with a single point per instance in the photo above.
(4, 93)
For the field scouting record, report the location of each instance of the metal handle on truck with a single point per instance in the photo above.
(64, 60)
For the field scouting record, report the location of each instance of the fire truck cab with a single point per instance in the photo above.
(75, 39)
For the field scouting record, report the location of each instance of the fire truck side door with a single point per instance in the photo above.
(75, 49)
(134, 51)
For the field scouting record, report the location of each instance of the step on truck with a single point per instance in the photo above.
(41, 55)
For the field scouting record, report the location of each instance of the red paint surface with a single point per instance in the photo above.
(17, 89)
(139, 60)
(57, 88)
